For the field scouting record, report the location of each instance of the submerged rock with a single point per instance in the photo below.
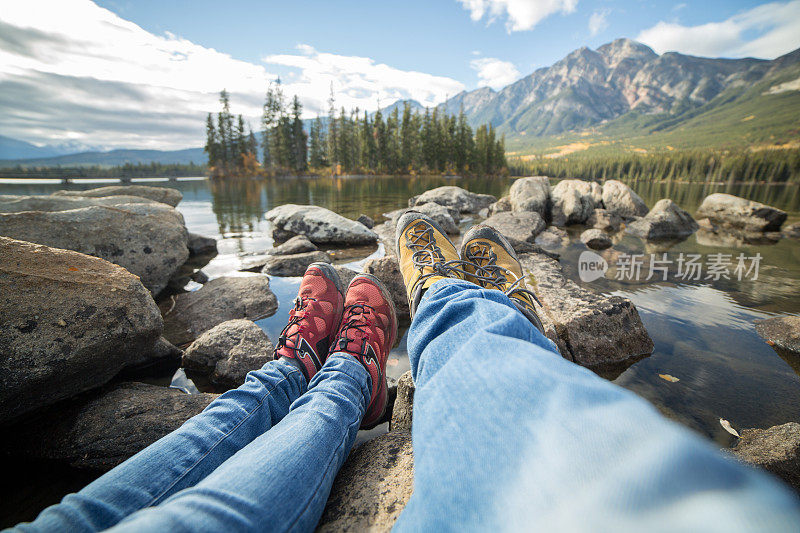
(456, 198)
(781, 331)
(50, 203)
(201, 245)
(320, 225)
(604, 219)
(665, 221)
(188, 315)
(620, 199)
(731, 211)
(387, 269)
(68, 323)
(596, 239)
(531, 194)
(293, 265)
(775, 449)
(228, 351)
(574, 201)
(403, 410)
(164, 195)
(520, 227)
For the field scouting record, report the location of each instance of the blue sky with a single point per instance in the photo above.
(142, 74)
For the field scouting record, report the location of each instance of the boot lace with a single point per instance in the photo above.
(488, 272)
(297, 317)
(426, 254)
(356, 320)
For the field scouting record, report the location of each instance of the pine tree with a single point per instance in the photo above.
(225, 130)
(299, 138)
(333, 132)
(316, 145)
(212, 143)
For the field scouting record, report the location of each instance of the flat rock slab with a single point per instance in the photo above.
(164, 195)
(147, 239)
(775, 449)
(733, 212)
(68, 323)
(781, 332)
(188, 315)
(518, 228)
(50, 203)
(620, 199)
(102, 429)
(373, 486)
(293, 265)
(387, 269)
(456, 198)
(320, 225)
(593, 329)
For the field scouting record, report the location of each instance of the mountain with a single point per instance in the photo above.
(17, 149)
(114, 157)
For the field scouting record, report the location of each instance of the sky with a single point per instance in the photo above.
(143, 74)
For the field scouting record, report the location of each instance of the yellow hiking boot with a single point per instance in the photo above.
(493, 264)
(425, 254)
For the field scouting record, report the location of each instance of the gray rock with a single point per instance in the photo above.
(604, 219)
(293, 265)
(552, 238)
(201, 245)
(296, 245)
(188, 315)
(596, 239)
(574, 201)
(102, 429)
(162, 351)
(164, 195)
(17, 204)
(665, 221)
(440, 214)
(776, 449)
(386, 234)
(781, 331)
(531, 194)
(456, 198)
(520, 227)
(730, 211)
(320, 225)
(733, 238)
(792, 230)
(147, 239)
(387, 269)
(620, 199)
(228, 351)
(500, 206)
(373, 486)
(346, 275)
(68, 323)
(367, 221)
(403, 411)
(593, 329)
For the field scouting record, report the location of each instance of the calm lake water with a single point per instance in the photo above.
(703, 330)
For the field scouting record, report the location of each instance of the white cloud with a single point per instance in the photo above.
(521, 15)
(766, 31)
(598, 21)
(493, 72)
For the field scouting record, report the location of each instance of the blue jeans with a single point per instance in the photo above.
(507, 435)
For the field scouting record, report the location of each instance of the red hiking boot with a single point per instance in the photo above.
(314, 321)
(368, 332)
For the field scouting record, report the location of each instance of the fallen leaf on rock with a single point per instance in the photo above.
(72, 269)
(667, 377)
(771, 343)
(727, 427)
(393, 362)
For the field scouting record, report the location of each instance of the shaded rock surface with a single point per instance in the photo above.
(782, 332)
(373, 486)
(147, 239)
(320, 225)
(604, 219)
(596, 239)
(665, 221)
(101, 429)
(552, 238)
(228, 351)
(49, 203)
(162, 351)
(293, 265)
(519, 227)
(68, 323)
(164, 195)
(403, 410)
(620, 199)
(387, 269)
(731, 211)
(201, 245)
(188, 315)
(346, 274)
(500, 206)
(775, 449)
(366, 220)
(456, 198)
(531, 194)
(593, 329)
(573, 201)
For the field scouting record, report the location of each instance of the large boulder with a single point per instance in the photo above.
(164, 195)
(456, 198)
(731, 211)
(17, 204)
(440, 214)
(592, 329)
(293, 265)
(604, 219)
(520, 227)
(101, 429)
(574, 201)
(403, 409)
(320, 225)
(228, 351)
(596, 239)
(68, 323)
(373, 486)
(782, 332)
(620, 199)
(188, 315)
(147, 239)
(665, 221)
(387, 269)
(531, 194)
(775, 449)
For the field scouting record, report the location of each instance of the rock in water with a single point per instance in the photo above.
(520, 227)
(320, 225)
(293, 265)
(17, 204)
(201, 245)
(439, 213)
(164, 195)
(373, 486)
(68, 323)
(387, 269)
(188, 315)
(456, 198)
(604, 219)
(792, 230)
(665, 221)
(593, 329)
(731, 211)
(596, 239)
(782, 332)
(296, 245)
(552, 238)
(574, 201)
(531, 194)
(620, 199)
(100, 430)
(403, 410)
(366, 220)
(228, 351)
(147, 239)
(776, 449)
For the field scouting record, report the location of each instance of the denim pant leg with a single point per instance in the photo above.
(281, 480)
(183, 457)
(508, 435)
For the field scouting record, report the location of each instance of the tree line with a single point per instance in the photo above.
(124, 171)
(354, 142)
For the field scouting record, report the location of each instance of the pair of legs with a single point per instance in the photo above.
(507, 435)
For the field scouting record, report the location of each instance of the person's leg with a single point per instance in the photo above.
(508, 435)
